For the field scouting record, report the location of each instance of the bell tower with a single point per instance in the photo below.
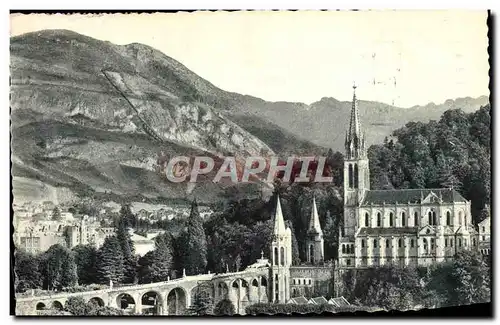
(356, 169)
(281, 259)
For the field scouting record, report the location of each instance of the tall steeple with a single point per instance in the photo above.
(314, 226)
(355, 141)
(279, 222)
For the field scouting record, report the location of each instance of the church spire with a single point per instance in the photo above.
(355, 142)
(314, 226)
(279, 223)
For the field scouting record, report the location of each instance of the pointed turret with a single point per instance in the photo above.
(279, 222)
(314, 226)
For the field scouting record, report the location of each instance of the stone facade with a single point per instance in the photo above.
(397, 227)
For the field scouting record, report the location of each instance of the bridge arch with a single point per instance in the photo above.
(125, 301)
(57, 305)
(98, 301)
(152, 303)
(176, 301)
(40, 306)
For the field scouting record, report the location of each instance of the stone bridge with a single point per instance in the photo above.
(171, 297)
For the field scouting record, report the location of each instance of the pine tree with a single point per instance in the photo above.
(110, 261)
(196, 254)
(202, 303)
(27, 271)
(58, 268)
(127, 249)
(162, 261)
(86, 259)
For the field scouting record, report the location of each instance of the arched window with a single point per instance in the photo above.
(446, 242)
(465, 220)
(343, 249)
(484, 229)
(356, 178)
(282, 256)
(375, 243)
(460, 218)
(434, 218)
(459, 242)
(311, 252)
(400, 243)
(362, 243)
(412, 243)
(275, 256)
(448, 218)
(403, 219)
(379, 220)
(451, 242)
(430, 218)
(473, 241)
(415, 221)
(432, 243)
(387, 243)
(465, 242)
(351, 179)
(366, 219)
(425, 245)
(391, 219)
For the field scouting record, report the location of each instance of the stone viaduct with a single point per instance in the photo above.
(171, 297)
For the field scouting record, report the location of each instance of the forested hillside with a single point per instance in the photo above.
(452, 152)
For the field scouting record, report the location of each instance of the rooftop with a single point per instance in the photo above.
(414, 196)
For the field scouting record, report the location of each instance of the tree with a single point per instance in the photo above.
(110, 262)
(58, 268)
(28, 275)
(157, 265)
(56, 214)
(86, 259)
(127, 248)
(202, 303)
(224, 308)
(196, 249)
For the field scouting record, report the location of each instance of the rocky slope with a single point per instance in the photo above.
(93, 117)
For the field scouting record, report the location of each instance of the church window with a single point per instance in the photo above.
(310, 282)
(432, 243)
(465, 242)
(448, 218)
(451, 242)
(379, 220)
(412, 243)
(484, 229)
(484, 237)
(403, 219)
(294, 282)
(343, 249)
(473, 241)
(460, 218)
(387, 243)
(430, 218)
(348, 262)
(399, 243)
(391, 219)
(275, 256)
(434, 218)
(446, 242)
(459, 242)
(415, 216)
(366, 219)
(425, 245)
(375, 243)
(356, 178)
(362, 243)
(351, 180)
(282, 256)
(311, 252)
(465, 220)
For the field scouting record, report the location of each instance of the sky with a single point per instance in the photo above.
(402, 58)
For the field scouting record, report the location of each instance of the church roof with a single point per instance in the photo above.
(382, 231)
(339, 302)
(379, 197)
(318, 300)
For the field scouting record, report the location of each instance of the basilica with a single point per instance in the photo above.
(408, 227)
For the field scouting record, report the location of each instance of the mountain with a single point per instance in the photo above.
(92, 118)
